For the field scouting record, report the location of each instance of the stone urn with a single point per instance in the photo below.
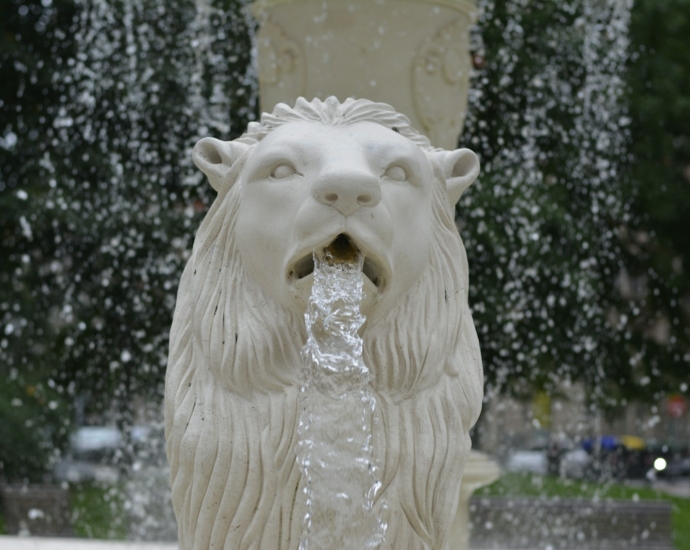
(411, 54)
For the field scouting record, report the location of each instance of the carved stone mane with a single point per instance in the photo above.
(231, 386)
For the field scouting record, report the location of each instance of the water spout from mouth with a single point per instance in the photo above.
(337, 410)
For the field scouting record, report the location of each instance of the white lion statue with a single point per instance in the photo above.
(292, 184)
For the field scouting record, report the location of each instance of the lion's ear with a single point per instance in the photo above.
(215, 157)
(461, 168)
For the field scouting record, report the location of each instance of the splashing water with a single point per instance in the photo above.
(542, 222)
(335, 452)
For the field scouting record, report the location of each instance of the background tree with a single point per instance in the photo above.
(549, 121)
(101, 104)
(657, 241)
(576, 230)
(30, 278)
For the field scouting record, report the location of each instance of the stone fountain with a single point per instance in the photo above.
(356, 183)
(303, 183)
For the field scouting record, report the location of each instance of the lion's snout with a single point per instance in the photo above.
(347, 190)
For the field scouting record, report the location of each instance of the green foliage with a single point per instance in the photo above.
(658, 242)
(100, 105)
(548, 121)
(30, 415)
(33, 412)
(98, 511)
(575, 231)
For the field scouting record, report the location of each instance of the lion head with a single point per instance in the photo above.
(296, 182)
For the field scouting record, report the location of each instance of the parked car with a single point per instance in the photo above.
(90, 456)
(679, 467)
(532, 461)
(668, 461)
(93, 450)
(575, 464)
(607, 457)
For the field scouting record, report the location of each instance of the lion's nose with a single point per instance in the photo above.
(348, 191)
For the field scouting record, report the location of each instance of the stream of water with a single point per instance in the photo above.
(335, 452)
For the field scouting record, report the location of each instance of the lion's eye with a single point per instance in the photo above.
(396, 173)
(283, 171)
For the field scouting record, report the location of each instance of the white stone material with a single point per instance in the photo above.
(479, 472)
(291, 185)
(411, 54)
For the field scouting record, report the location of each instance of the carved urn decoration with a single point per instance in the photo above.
(411, 54)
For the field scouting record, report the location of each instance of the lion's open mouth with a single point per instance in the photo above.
(342, 250)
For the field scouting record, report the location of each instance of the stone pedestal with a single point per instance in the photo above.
(411, 54)
(479, 472)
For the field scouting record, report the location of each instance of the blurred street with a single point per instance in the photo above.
(676, 488)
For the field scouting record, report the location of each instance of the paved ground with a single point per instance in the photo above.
(19, 543)
(676, 488)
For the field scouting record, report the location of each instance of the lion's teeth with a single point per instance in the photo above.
(370, 271)
(304, 267)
